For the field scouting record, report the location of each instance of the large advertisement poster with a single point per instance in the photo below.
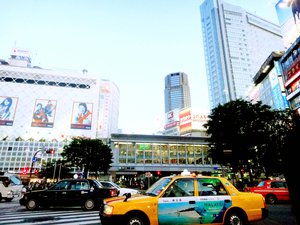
(7, 110)
(288, 12)
(82, 115)
(44, 113)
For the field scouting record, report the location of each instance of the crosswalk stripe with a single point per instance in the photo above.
(50, 217)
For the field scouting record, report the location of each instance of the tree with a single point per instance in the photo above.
(55, 169)
(290, 162)
(242, 135)
(88, 154)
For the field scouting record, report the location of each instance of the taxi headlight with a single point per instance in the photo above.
(108, 210)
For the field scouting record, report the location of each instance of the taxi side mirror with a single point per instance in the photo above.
(127, 196)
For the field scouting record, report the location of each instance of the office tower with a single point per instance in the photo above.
(177, 98)
(177, 92)
(236, 43)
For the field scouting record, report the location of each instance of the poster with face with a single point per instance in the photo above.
(7, 110)
(82, 115)
(44, 113)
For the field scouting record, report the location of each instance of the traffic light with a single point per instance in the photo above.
(158, 173)
(25, 170)
(50, 151)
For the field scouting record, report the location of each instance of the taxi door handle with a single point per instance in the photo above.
(192, 202)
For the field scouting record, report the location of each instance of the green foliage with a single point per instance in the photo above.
(90, 154)
(254, 134)
(55, 169)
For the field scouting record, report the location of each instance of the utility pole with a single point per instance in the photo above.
(34, 159)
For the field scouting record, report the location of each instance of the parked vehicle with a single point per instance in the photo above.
(121, 190)
(13, 181)
(6, 192)
(273, 190)
(186, 199)
(87, 193)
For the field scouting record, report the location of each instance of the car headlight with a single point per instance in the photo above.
(10, 194)
(108, 210)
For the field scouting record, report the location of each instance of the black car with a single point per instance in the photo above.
(87, 193)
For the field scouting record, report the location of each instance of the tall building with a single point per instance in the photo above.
(236, 43)
(177, 97)
(48, 104)
(108, 108)
(288, 16)
(269, 88)
(177, 92)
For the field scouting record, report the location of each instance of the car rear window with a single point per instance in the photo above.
(278, 184)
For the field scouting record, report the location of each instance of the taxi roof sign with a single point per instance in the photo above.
(185, 172)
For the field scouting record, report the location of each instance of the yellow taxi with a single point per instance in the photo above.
(185, 199)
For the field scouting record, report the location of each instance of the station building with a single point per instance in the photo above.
(40, 109)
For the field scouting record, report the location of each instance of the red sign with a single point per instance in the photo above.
(185, 121)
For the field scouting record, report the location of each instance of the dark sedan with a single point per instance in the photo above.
(87, 193)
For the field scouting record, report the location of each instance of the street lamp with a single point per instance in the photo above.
(34, 158)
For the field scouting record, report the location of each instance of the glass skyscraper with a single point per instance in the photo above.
(236, 43)
(177, 92)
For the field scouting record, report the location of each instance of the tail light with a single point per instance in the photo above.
(113, 192)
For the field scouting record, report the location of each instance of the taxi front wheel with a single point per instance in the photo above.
(137, 219)
(235, 218)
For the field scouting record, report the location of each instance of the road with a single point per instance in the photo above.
(13, 213)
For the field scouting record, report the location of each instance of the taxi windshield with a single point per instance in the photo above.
(158, 186)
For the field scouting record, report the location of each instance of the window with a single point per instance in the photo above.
(278, 185)
(211, 187)
(181, 188)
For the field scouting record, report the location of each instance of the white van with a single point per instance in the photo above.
(6, 192)
(15, 183)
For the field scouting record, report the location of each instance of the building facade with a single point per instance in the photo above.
(136, 154)
(236, 43)
(177, 97)
(177, 92)
(290, 63)
(108, 108)
(268, 81)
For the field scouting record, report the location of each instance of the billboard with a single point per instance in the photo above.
(7, 110)
(43, 113)
(198, 120)
(172, 119)
(82, 115)
(185, 119)
(289, 20)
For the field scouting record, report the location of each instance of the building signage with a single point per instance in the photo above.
(43, 113)
(8, 107)
(185, 121)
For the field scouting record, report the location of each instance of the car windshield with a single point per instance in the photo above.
(109, 184)
(16, 180)
(99, 184)
(261, 184)
(158, 186)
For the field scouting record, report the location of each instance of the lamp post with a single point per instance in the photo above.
(33, 161)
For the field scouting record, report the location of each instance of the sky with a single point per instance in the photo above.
(134, 43)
